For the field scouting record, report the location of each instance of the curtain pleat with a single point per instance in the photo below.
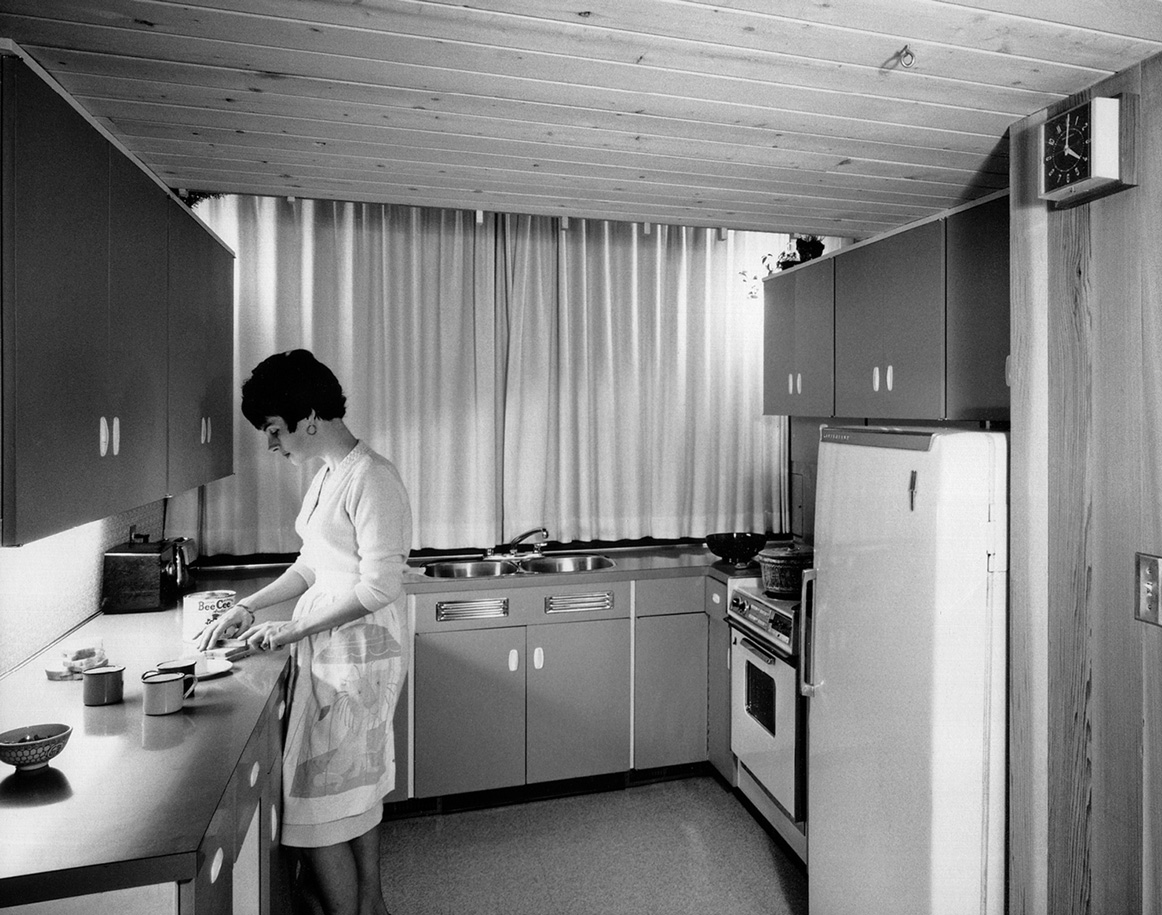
(600, 380)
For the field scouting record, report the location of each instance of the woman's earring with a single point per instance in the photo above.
(312, 429)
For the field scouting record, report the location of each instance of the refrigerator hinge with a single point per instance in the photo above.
(998, 540)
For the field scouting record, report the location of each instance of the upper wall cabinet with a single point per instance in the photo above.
(85, 264)
(977, 276)
(798, 340)
(201, 355)
(889, 326)
(921, 325)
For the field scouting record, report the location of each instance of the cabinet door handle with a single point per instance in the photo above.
(876, 379)
(799, 383)
(103, 436)
(216, 866)
(513, 660)
(790, 383)
(116, 435)
(889, 377)
(716, 598)
(273, 824)
(210, 428)
(254, 773)
(538, 657)
(203, 430)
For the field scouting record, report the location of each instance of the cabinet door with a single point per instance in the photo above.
(977, 244)
(469, 710)
(798, 336)
(578, 699)
(718, 682)
(201, 398)
(670, 690)
(889, 327)
(137, 371)
(55, 309)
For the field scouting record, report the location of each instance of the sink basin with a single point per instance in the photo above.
(582, 562)
(471, 568)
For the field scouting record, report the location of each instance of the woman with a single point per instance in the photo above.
(347, 632)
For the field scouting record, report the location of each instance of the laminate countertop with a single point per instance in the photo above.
(129, 799)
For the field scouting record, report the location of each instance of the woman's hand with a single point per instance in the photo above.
(226, 626)
(270, 635)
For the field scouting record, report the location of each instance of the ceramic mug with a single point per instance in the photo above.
(163, 692)
(103, 685)
(186, 667)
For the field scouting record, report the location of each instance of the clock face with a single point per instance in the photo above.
(1067, 148)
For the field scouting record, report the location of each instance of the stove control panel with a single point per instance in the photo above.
(769, 618)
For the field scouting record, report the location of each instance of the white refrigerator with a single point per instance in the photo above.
(904, 670)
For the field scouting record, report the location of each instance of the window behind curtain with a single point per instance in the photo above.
(599, 380)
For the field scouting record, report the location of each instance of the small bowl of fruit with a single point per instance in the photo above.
(31, 747)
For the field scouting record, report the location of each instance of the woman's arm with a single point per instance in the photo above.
(271, 634)
(289, 585)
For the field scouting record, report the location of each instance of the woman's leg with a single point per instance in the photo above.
(366, 849)
(336, 880)
(347, 876)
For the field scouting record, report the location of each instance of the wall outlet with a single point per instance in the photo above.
(1148, 570)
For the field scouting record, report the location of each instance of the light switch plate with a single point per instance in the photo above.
(1148, 576)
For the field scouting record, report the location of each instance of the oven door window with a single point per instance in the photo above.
(760, 696)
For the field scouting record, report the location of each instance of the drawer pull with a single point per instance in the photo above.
(254, 771)
(579, 603)
(451, 610)
(513, 661)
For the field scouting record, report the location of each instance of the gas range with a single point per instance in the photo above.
(767, 617)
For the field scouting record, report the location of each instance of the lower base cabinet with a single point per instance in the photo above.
(718, 683)
(506, 706)
(670, 690)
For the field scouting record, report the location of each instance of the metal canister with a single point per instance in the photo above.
(201, 608)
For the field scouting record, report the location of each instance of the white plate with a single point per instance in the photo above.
(208, 668)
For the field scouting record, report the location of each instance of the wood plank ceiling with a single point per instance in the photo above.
(838, 118)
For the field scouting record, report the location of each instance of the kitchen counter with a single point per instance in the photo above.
(629, 564)
(129, 799)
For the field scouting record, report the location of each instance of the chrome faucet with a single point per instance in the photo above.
(510, 548)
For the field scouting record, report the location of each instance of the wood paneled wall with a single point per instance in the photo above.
(1086, 684)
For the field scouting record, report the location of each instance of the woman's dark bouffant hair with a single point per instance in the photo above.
(291, 385)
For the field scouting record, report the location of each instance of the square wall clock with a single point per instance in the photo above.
(1088, 151)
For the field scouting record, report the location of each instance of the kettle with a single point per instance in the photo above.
(184, 553)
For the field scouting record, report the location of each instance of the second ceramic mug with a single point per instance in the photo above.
(186, 667)
(163, 692)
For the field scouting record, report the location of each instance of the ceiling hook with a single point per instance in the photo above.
(907, 57)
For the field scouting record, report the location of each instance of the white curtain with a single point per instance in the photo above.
(399, 302)
(633, 393)
(598, 379)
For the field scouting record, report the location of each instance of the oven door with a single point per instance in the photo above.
(765, 720)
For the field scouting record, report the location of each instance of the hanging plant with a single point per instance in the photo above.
(799, 250)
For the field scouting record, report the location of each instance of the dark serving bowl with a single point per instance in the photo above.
(738, 548)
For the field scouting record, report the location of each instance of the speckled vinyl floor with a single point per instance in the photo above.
(674, 847)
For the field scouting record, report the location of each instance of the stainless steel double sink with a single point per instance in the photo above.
(538, 564)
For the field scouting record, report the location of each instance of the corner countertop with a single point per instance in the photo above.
(128, 800)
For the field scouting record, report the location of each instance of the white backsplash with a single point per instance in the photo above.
(50, 586)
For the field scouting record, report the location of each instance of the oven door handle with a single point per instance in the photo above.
(763, 653)
(807, 621)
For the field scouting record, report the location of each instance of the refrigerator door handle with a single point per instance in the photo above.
(807, 619)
